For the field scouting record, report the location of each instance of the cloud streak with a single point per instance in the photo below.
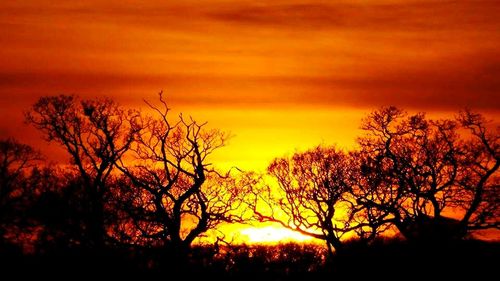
(374, 15)
(439, 55)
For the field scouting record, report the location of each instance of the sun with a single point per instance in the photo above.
(272, 235)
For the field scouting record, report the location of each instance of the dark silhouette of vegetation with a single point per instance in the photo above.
(140, 191)
(419, 170)
(171, 194)
(17, 186)
(96, 134)
(133, 179)
(389, 258)
(315, 196)
(409, 174)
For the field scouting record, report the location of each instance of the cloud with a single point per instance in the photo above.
(439, 54)
(450, 83)
(447, 84)
(371, 15)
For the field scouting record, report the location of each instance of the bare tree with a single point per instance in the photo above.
(416, 170)
(314, 196)
(96, 134)
(480, 179)
(174, 194)
(17, 161)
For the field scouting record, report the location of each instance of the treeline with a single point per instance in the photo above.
(427, 180)
(142, 187)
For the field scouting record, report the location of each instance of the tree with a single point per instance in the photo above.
(418, 171)
(58, 211)
(173, 194)
(96, 133)
(314, 196)
(17, 161)
(480, 180)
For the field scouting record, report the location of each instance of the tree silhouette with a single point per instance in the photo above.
(315, 196)
(417, 170)
(480, 180)
(17, 163)
(173, 193)
(431, 179)
(96, 134)
(59, 210)
(141, 189)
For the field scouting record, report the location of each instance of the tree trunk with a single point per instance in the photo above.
(95, 220)
(176, 258)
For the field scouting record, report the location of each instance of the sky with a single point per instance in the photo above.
(279, 76)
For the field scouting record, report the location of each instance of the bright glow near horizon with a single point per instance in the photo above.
(272, 235)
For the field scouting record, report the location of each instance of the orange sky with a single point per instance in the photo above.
(279, 75)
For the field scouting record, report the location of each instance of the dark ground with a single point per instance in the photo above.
(383, 260)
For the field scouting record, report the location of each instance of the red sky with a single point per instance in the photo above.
(279, 75)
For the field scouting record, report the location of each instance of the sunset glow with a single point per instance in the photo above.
(272, 234)
(278, 76)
